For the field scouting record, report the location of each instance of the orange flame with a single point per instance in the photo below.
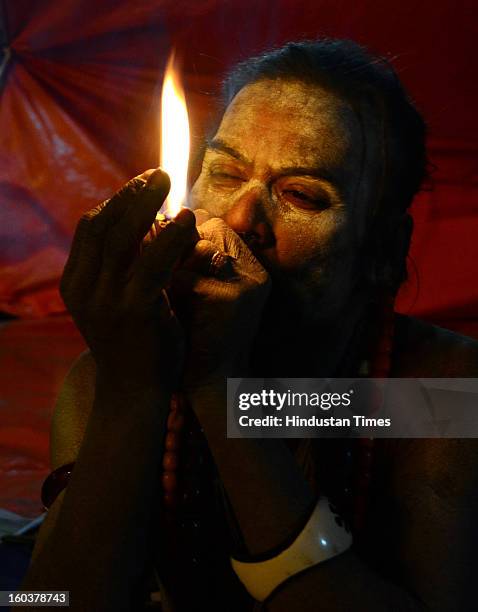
(174, 157)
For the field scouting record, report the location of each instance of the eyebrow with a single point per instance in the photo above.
(321, 174)
(216, 144)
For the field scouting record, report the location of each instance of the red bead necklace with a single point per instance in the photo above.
(379, 367)
(172, 447)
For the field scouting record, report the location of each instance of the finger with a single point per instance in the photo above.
(84, 260)
(206, 259)
(125, 237)
(154, 267)
(109, 212)
(227, 241)
(159, 222)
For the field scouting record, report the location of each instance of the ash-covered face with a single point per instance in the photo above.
(285, 167)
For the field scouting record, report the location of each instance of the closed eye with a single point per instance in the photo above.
(298, 194)
(226, 175)
(305, 200)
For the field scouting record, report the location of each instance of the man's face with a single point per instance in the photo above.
(285, 165)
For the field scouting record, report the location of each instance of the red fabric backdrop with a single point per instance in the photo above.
(78, 116)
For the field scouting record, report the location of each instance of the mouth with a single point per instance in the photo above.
(250, 238)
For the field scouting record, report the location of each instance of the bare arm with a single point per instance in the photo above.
(97, 538)
(98, 535)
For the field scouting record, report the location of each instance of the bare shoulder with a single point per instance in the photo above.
(425, 493)
(72, 410)
(425, 350)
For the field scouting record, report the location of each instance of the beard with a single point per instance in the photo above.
(310, 294)
(302, 322)
(288, 321)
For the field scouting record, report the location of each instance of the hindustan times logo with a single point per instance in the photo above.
(268, 398)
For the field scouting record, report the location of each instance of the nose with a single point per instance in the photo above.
(249, 218)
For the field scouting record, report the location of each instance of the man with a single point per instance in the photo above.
(304, 192)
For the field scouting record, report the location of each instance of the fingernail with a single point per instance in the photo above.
(185, 218)
(158, 180)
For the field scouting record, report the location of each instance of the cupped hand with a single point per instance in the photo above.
(114, 284)
(219, 293)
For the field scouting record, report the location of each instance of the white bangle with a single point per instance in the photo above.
(322, 538)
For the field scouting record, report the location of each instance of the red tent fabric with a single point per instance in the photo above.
(80, 97)
(35, 356)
